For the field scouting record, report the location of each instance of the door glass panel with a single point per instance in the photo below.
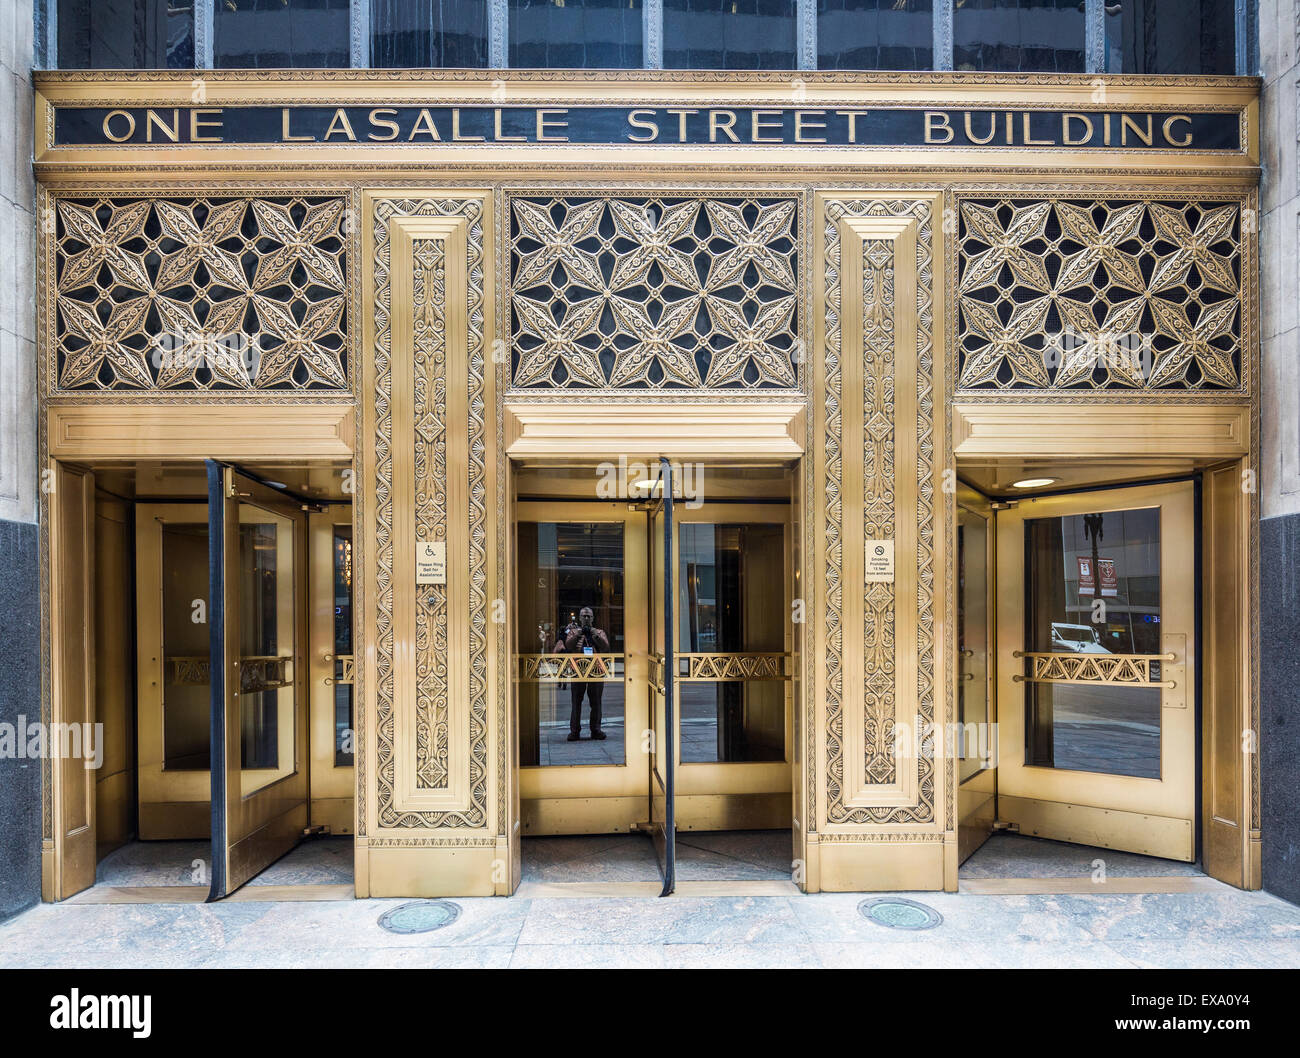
(972, 639)
(186, 694)
(344, 749)
(266, 629)
(730, 603)
(1094, 589)
(570, 621)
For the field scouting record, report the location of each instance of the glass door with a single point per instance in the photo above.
(579, 666)
(662, 684)
(1096, 672)
(259, 709)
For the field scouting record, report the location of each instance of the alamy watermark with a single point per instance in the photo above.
(37, 741)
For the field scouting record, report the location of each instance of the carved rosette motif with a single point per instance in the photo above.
(880, 312)
(1085, 295)
(217, 294)
(431, 514)
(654, 292)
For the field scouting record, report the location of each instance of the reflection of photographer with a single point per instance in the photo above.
(585, 638)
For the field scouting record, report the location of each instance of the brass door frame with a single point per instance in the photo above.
(332, 786)
(977, 795)
(740, 795)
(1150, 816)
(598, 798)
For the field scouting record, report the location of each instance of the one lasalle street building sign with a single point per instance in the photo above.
(1104, 129)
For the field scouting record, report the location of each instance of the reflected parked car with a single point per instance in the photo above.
(1076, 639)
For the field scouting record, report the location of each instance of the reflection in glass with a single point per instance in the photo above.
(576, 34)
(972, 639)
(265, 583)
(1031, 35)
(344, 749)
(186, 650)
(565, 568)
(731, 599)
(416, 34)
(875, 34)
(1170, 36)
(281, 34)
(729, 35)
(124, 34)
(1094, 588)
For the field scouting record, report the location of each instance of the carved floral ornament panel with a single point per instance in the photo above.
(201, 293)
(654, 292)
(1114, 295)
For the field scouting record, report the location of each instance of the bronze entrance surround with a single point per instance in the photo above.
(882, 317)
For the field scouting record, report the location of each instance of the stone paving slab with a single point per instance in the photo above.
(1229, 928)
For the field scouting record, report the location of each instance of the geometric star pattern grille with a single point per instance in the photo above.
(201, 293)
(1087, 295)
(654, 292)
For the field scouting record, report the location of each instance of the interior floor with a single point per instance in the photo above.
(730, 855)
(1007, 855)
(316, 861)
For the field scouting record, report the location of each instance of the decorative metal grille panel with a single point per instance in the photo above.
(200, 293)
(1077, 294)
(654, 292)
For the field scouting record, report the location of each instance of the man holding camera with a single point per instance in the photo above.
(584, 638)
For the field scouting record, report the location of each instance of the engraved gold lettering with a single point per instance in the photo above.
(285, 134)
(424, 123)
(341, 125)
(852, 115)
(1180, 141)
(455, 129)
(636, 121)
(384, 122)
(722, 121)
(130, 125)
(1029, 141)
(681, 113)
(803, 120)
(172, 132)
(936, 121)
(545, 121)
(993, 129)
(1126, 123)
(762, 120)
(501, 137)
(1072, 141)
(197, 122)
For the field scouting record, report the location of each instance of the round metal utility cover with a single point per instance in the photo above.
(898, 913)
(420, 916)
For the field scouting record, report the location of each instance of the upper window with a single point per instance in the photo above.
(585, 34)
(253, 34)
(729, 34)
(422, 33)
(1170, 36)
(1030, 35)
(125, 34)
(875, 34)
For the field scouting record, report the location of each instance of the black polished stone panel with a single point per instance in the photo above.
(1279, 665)
(20, 701)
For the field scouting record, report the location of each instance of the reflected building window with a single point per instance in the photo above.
(417, 34)
(1170, 36)
(576, 34)
(729, 34)
(282, 34)
(125, 35)
(875, 34)
(1044, 36)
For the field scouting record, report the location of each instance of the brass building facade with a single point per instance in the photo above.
(500, 311)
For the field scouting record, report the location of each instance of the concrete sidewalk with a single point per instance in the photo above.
(1221, 927)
